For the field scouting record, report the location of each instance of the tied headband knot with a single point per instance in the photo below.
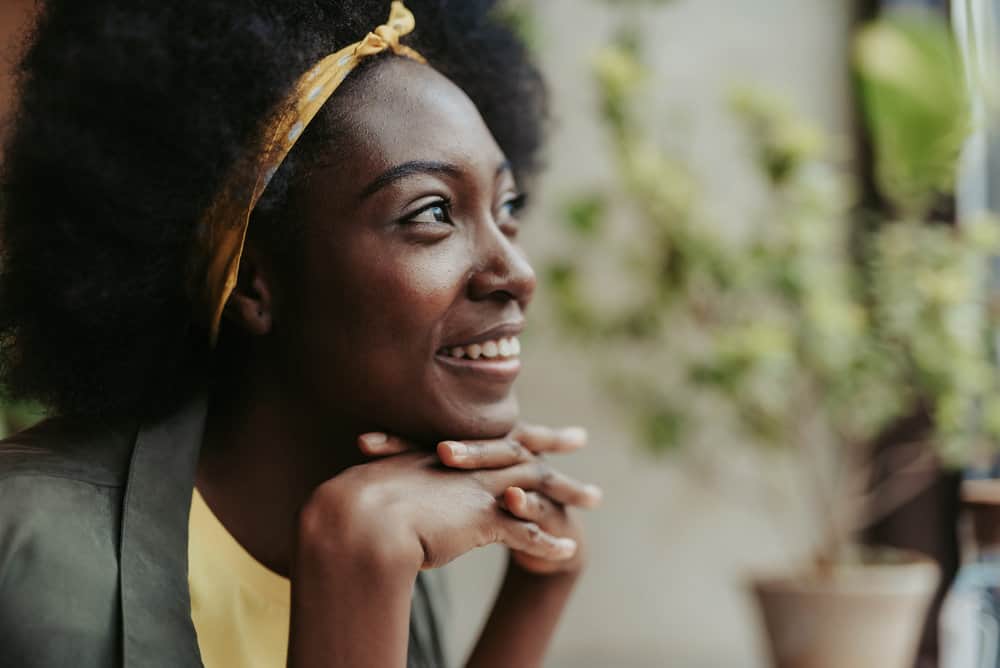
(223, 228)
(386, 37)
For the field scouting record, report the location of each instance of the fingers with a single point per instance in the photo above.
(538, 476)
(517, 448)
(530, 506)
(540, 439)
(377, 444)
(531, 539)
(482, 454)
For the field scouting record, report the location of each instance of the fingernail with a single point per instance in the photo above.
(457, 449)
(567, 545)
(574, 435)
(594, 492)
(374, 438)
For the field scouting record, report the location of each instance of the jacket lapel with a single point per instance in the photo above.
(156, 605)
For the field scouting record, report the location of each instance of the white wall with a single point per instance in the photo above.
(669, 556)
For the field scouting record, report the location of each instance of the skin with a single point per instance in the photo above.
(340, 407)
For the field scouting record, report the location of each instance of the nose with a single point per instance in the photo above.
(502, 272)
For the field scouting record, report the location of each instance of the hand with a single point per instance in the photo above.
(525, 443)
(408, 510)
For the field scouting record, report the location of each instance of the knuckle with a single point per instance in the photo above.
(517, 450)
(486, 501)
(546, 476)
(534, 533)
(538, 506)
(488, 536)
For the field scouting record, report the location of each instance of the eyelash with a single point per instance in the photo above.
(516, 205)
(443, 204)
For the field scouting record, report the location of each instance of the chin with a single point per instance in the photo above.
(493, 420)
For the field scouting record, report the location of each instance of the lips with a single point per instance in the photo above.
(493, 353)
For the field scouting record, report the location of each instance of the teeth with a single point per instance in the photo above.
(508, 347)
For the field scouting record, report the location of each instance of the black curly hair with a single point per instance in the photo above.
(130, 114)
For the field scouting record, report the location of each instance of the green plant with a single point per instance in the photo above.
(784, 333)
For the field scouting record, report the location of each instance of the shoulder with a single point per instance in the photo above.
(77, 450)
(61, 487)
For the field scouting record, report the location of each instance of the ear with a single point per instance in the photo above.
(251, 304)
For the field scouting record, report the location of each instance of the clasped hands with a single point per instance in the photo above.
(535, 508)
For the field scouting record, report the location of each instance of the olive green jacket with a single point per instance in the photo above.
(93, 548)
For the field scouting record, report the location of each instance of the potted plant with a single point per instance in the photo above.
(798, 329)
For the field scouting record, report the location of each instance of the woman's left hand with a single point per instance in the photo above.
(556, 519)
(525, 443)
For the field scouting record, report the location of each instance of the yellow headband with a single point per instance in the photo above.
(223, 229)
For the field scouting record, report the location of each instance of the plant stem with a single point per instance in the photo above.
(899, 487)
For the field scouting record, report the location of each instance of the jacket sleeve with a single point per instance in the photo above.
(428, 613)
(59, 585)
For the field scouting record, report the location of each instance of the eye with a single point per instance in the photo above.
(436, 212)
(513, 206)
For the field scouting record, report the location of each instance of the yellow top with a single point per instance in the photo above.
(240, 608)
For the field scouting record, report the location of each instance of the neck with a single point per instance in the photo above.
(263, 455)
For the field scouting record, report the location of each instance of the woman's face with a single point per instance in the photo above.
(411, 258)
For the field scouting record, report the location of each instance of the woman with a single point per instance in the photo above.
(277, 320)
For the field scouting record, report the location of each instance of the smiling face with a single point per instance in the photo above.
(411, 268)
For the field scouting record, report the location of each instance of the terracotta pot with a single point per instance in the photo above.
(867, 614)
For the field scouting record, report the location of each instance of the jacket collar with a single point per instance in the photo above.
(157, 631)
(156, 602)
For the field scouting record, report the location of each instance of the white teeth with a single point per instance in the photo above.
(508, 347)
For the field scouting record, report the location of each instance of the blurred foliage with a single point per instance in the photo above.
(520, 16)
(783, 328)
(16, 416)
(914, 97)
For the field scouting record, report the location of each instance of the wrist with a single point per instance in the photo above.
(351, 588)
(345, 528)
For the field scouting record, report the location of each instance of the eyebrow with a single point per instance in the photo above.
(417, 167)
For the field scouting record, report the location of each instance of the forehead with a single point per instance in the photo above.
(404, 111)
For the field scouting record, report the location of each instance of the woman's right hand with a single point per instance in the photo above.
(365, 534)
(412, 512)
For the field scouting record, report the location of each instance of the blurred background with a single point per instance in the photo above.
(670, 555)
(764, 232)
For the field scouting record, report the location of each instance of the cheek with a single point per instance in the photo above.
(375, 285)
(402, 301)
(371, 323)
